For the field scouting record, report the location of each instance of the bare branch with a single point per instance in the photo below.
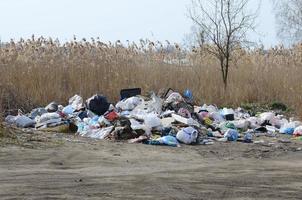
(289, 20)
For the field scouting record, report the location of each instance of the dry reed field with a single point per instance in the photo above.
(37, 71)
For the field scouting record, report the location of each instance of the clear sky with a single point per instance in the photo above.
(111, 19)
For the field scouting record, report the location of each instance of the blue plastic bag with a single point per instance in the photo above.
(232, 135)
(169, 140)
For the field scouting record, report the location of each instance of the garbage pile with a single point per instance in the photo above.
(166, 119)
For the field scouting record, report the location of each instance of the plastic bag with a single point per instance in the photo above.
(254, 122)
(184, 113)
(152, 121)
(228, 113)
(169, 140)
(98, 104)
(76, 102)
(156, 104)
(278, 121)
(152, 106)
(102, 121)
(52, 107)
(217, 117)
(298, 131)
(248, 138)
(47, 116)
(129, 104)
(24, 122)
(10, 119)
(68, 110)
(187, 135)
(241, 124)
(111, 116)
(266, 117)
(288, 128)
(209, 108)
(37, 112)
(231, 135)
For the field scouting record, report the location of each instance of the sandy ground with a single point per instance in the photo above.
(57, 166)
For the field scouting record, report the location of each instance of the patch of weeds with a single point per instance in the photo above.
(255, 108)
(279, 106)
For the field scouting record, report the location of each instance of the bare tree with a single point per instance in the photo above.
(224, 25)
(289, 19)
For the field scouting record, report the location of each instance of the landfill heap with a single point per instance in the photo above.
(167, 119)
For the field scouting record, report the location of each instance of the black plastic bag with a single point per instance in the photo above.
(98, 104)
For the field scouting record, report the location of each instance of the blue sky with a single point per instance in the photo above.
(111, 19)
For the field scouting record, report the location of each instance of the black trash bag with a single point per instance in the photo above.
(98, 104)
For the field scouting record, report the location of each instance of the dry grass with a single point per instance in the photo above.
(37, 71)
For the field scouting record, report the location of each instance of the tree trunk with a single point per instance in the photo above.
(226, 74)
(222, 67)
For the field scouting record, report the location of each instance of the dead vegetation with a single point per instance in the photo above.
(36, 71)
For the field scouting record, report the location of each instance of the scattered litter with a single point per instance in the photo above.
(167, 119)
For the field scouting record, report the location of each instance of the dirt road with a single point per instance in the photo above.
(68, 167)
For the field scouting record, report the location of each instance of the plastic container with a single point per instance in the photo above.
(127, 93)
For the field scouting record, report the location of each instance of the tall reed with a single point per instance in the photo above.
(36, 71)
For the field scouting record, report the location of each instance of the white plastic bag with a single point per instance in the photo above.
(129, 104)
(254, 122)
(228, 111)
(187, 135)
(209, 108)
(217, 117)
(47, 116)
(152, 106)
(76, 102)
(152, 121)
(242, 124)
(267, 116)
